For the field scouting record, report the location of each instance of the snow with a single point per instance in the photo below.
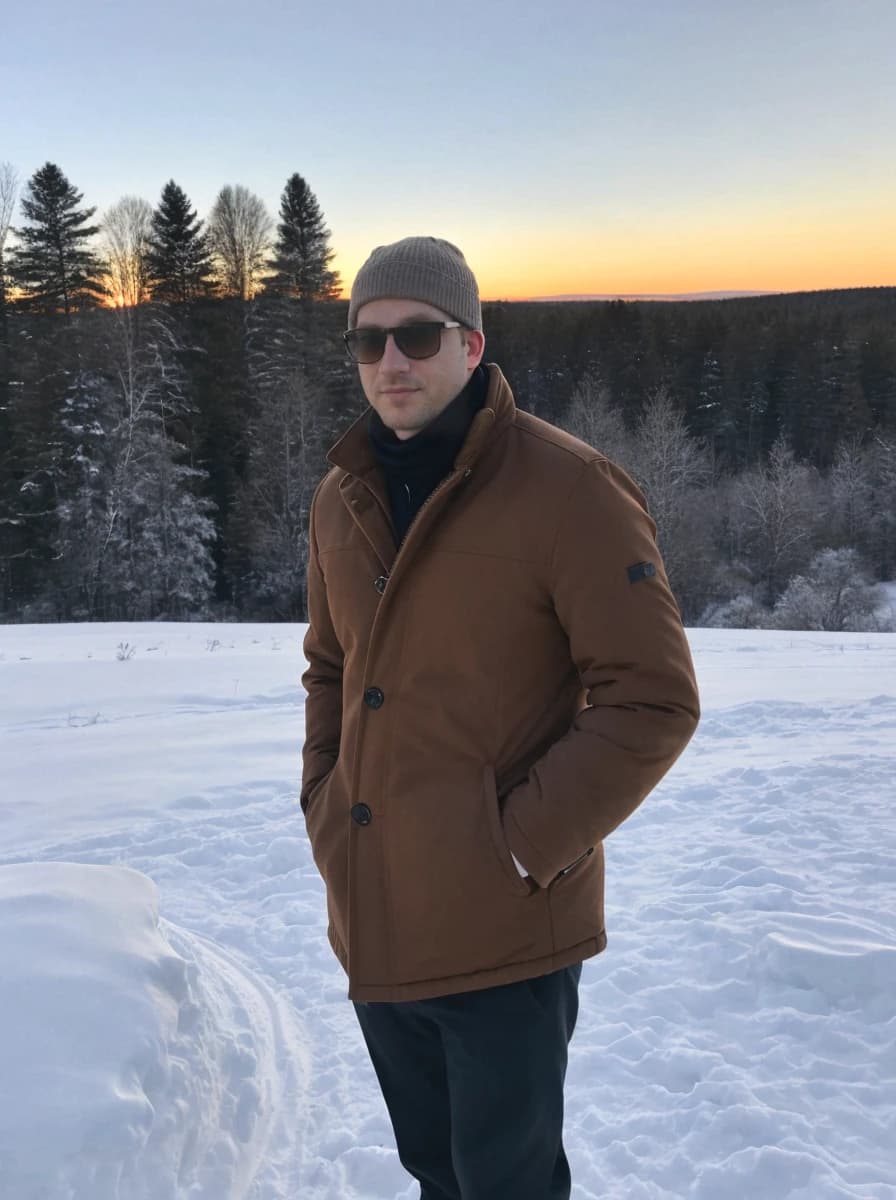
(136, 1059)
(887, 610)
(173, 1025)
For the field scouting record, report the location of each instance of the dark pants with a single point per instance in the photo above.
(474, 1087)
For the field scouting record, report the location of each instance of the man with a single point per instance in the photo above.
(497, 677)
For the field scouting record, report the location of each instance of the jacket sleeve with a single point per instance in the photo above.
(611, 595)
(323, 678)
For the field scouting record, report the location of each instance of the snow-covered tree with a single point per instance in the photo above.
(673, 470)
(668, 464)
(848, 492)
(275, 497)
(132, 531)
(666, 461)
(592, 416)
(772, 516)
(81, 479)
(880, 536)
(741, 612)
(48, 358)
(836, 593)
(286, 441)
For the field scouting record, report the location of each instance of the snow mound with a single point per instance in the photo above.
(137, 1061)
(845, 962)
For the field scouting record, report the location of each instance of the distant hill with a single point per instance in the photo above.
(656, 296)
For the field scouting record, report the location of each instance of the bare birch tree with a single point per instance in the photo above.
(11, 525)
(126, 231)
(9, 193)
(239, 230)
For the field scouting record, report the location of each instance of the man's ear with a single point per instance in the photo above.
(475, 347)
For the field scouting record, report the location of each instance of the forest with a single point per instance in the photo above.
(169, 387)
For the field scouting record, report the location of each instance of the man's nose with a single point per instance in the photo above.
(393, 359)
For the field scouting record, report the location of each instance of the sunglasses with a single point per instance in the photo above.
(422, 339)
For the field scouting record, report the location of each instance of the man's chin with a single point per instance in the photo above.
(403, 424)
(403, 431)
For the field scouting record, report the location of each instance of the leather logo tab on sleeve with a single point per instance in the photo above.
(644, 570)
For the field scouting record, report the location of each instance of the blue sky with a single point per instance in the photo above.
(565, 147)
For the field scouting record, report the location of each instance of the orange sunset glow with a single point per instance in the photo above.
(781, 251)
(596, 150)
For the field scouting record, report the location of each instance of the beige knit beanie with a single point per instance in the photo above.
(419, 268)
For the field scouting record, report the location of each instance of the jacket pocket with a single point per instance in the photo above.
(317, 789)
(524, 887)
(316, 812)
(573, 866)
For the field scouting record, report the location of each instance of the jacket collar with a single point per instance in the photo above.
(354, 454)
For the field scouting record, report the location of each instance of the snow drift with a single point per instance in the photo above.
(136, 1060)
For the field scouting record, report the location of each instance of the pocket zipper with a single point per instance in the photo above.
(572, 866)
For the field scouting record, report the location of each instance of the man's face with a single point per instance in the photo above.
(408, 393)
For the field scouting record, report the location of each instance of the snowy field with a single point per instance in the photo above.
(173, 1025)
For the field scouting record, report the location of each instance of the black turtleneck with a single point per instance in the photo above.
(413, 468)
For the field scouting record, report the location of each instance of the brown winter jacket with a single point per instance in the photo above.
(514, 678)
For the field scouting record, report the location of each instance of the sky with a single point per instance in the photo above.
(570, 147)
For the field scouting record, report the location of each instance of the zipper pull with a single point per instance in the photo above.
(572, 866)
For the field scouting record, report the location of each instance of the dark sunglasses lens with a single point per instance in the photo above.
(366, 345)
(419, 341)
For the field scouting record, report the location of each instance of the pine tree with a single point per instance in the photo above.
(53, 267)
(270, 518)
(85, 524)
(178, 261)
(302, 254)
(46, 357)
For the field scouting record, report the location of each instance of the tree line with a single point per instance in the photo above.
(62, 263)
(169, 387)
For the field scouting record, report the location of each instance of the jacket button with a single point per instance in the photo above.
(380, 583)
(361, 814)
(374, 698)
